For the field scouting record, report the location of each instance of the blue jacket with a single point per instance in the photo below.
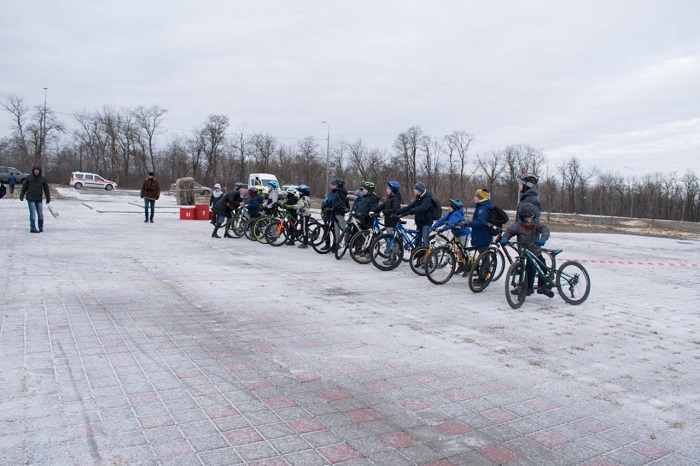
(480, 234)
(454, 218)
(254, 204)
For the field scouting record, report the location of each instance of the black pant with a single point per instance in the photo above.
(530, 273)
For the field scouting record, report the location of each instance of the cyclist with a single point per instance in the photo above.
(391, 205)
(532, 235)
(273, 196)
(337, 205)
(481, 235)
(290, 206)
(303, 207)
(455, 219)
(528, 192)
(367, 203)
(422, 208)
(224, 207)
(253, 205)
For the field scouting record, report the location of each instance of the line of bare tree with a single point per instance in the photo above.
(122, 145)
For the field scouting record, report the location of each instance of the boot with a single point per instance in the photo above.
(303, 246)
(226, 235)
(214, 233)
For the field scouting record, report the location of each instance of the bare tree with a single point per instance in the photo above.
(264, 148)
(457, 149)
(211, 138)
(149, 119)
(491, 165)
(407, 145)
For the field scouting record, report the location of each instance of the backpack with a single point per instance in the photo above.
(436, 209)
(497, 218)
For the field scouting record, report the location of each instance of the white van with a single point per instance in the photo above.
(262, 179)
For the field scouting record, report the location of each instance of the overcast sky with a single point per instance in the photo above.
(615, 83)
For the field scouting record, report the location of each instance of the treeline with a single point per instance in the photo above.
(123, 145)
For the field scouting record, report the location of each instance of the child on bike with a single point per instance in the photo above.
(337, 206)
(531, 235)
(391, 205)
(481, 235)
(368, 202)
(455, 219)
(303, 207)
(253, 205)
(422, 208)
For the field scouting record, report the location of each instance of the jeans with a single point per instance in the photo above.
(425, 235)
(36, 213)
(152, 203)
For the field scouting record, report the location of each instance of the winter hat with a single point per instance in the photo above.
(358, 193)
(420, 187)
(482, 194)
(150, 174)
(217, 186)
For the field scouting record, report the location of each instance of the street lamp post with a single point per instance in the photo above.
(328, 153)
(43, 131)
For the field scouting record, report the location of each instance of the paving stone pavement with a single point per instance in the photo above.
(125, 343)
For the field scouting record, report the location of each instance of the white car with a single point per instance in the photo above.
(287, 189)
(81, 180)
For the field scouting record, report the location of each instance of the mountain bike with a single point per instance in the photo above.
(361, 242)
(418, 255)
(483, 272)
(571, 279)
(235, 226)
(351, 227)
(388, 249)
(284, 229)
(442, 261)
(322, 235)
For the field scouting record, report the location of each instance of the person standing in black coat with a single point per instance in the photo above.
(34, 188)
(223, 209)
(391, 205)
(528, 191)
(422, 208)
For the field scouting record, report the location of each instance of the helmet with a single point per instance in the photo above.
(395, 186)
(337, 182)
(303, 187)
(529, 179)
(252, 190)
(368, 185)
(239, 185)
(456, 204)
(526, 210)
(274, 184)
(259, 188)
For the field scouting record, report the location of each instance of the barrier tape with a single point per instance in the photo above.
(619, 262)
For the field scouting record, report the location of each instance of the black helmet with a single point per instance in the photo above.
(529, 179)
(239, 185)
(337, 182)
(526, 210)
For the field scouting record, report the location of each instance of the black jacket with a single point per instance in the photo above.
(339, 201)
(34, 186)
(231, 197)
(422, 208)
(532, 196)
(389, 207)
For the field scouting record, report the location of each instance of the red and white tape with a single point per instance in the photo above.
(619, 262)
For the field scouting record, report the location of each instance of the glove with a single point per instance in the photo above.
(504, 241)
(21, 198)
(541, 241)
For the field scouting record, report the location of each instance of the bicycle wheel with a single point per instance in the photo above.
(388, 246)
(417, 261)
(440, 265)
(343, 244)
(276, 233)
(260, 227)
(238, 226)
(360, 246)
(516, 284)
(573, 282)
(483, 271)
(500, 264)
(248, 229)
(322, 238)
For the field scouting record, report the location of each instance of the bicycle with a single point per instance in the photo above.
(281, 230)
(352, 226)
(235, 226)
(442, 261)
(418, 255)
(361, 242)
(392, 246)
(489, 266)
(571, 278)
(322, 235)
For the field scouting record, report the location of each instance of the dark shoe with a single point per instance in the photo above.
(145, 221)
(546, 292)
(388, 262)
(529, 292)
(226, 235)
(303, 246)
(151, 220)
(289, 243)
(465, 273)
(33, 231)
(41, 230)
(214, 235)
(478, 281)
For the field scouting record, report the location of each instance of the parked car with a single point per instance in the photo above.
(288, 189)
(5, 174)
(199, 189)
(81, 180)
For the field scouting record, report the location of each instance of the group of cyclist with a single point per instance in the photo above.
(527, 228)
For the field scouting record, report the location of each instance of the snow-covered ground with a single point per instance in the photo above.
(633, 343)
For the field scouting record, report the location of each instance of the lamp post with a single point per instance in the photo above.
(43, 131)
(328, 153)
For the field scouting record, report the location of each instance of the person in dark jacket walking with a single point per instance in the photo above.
(150, 193)
(422, 208)
(34, 188)
(528, 191)
(391, 205)
(12, 181)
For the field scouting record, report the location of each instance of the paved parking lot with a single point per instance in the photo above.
(129, 343)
